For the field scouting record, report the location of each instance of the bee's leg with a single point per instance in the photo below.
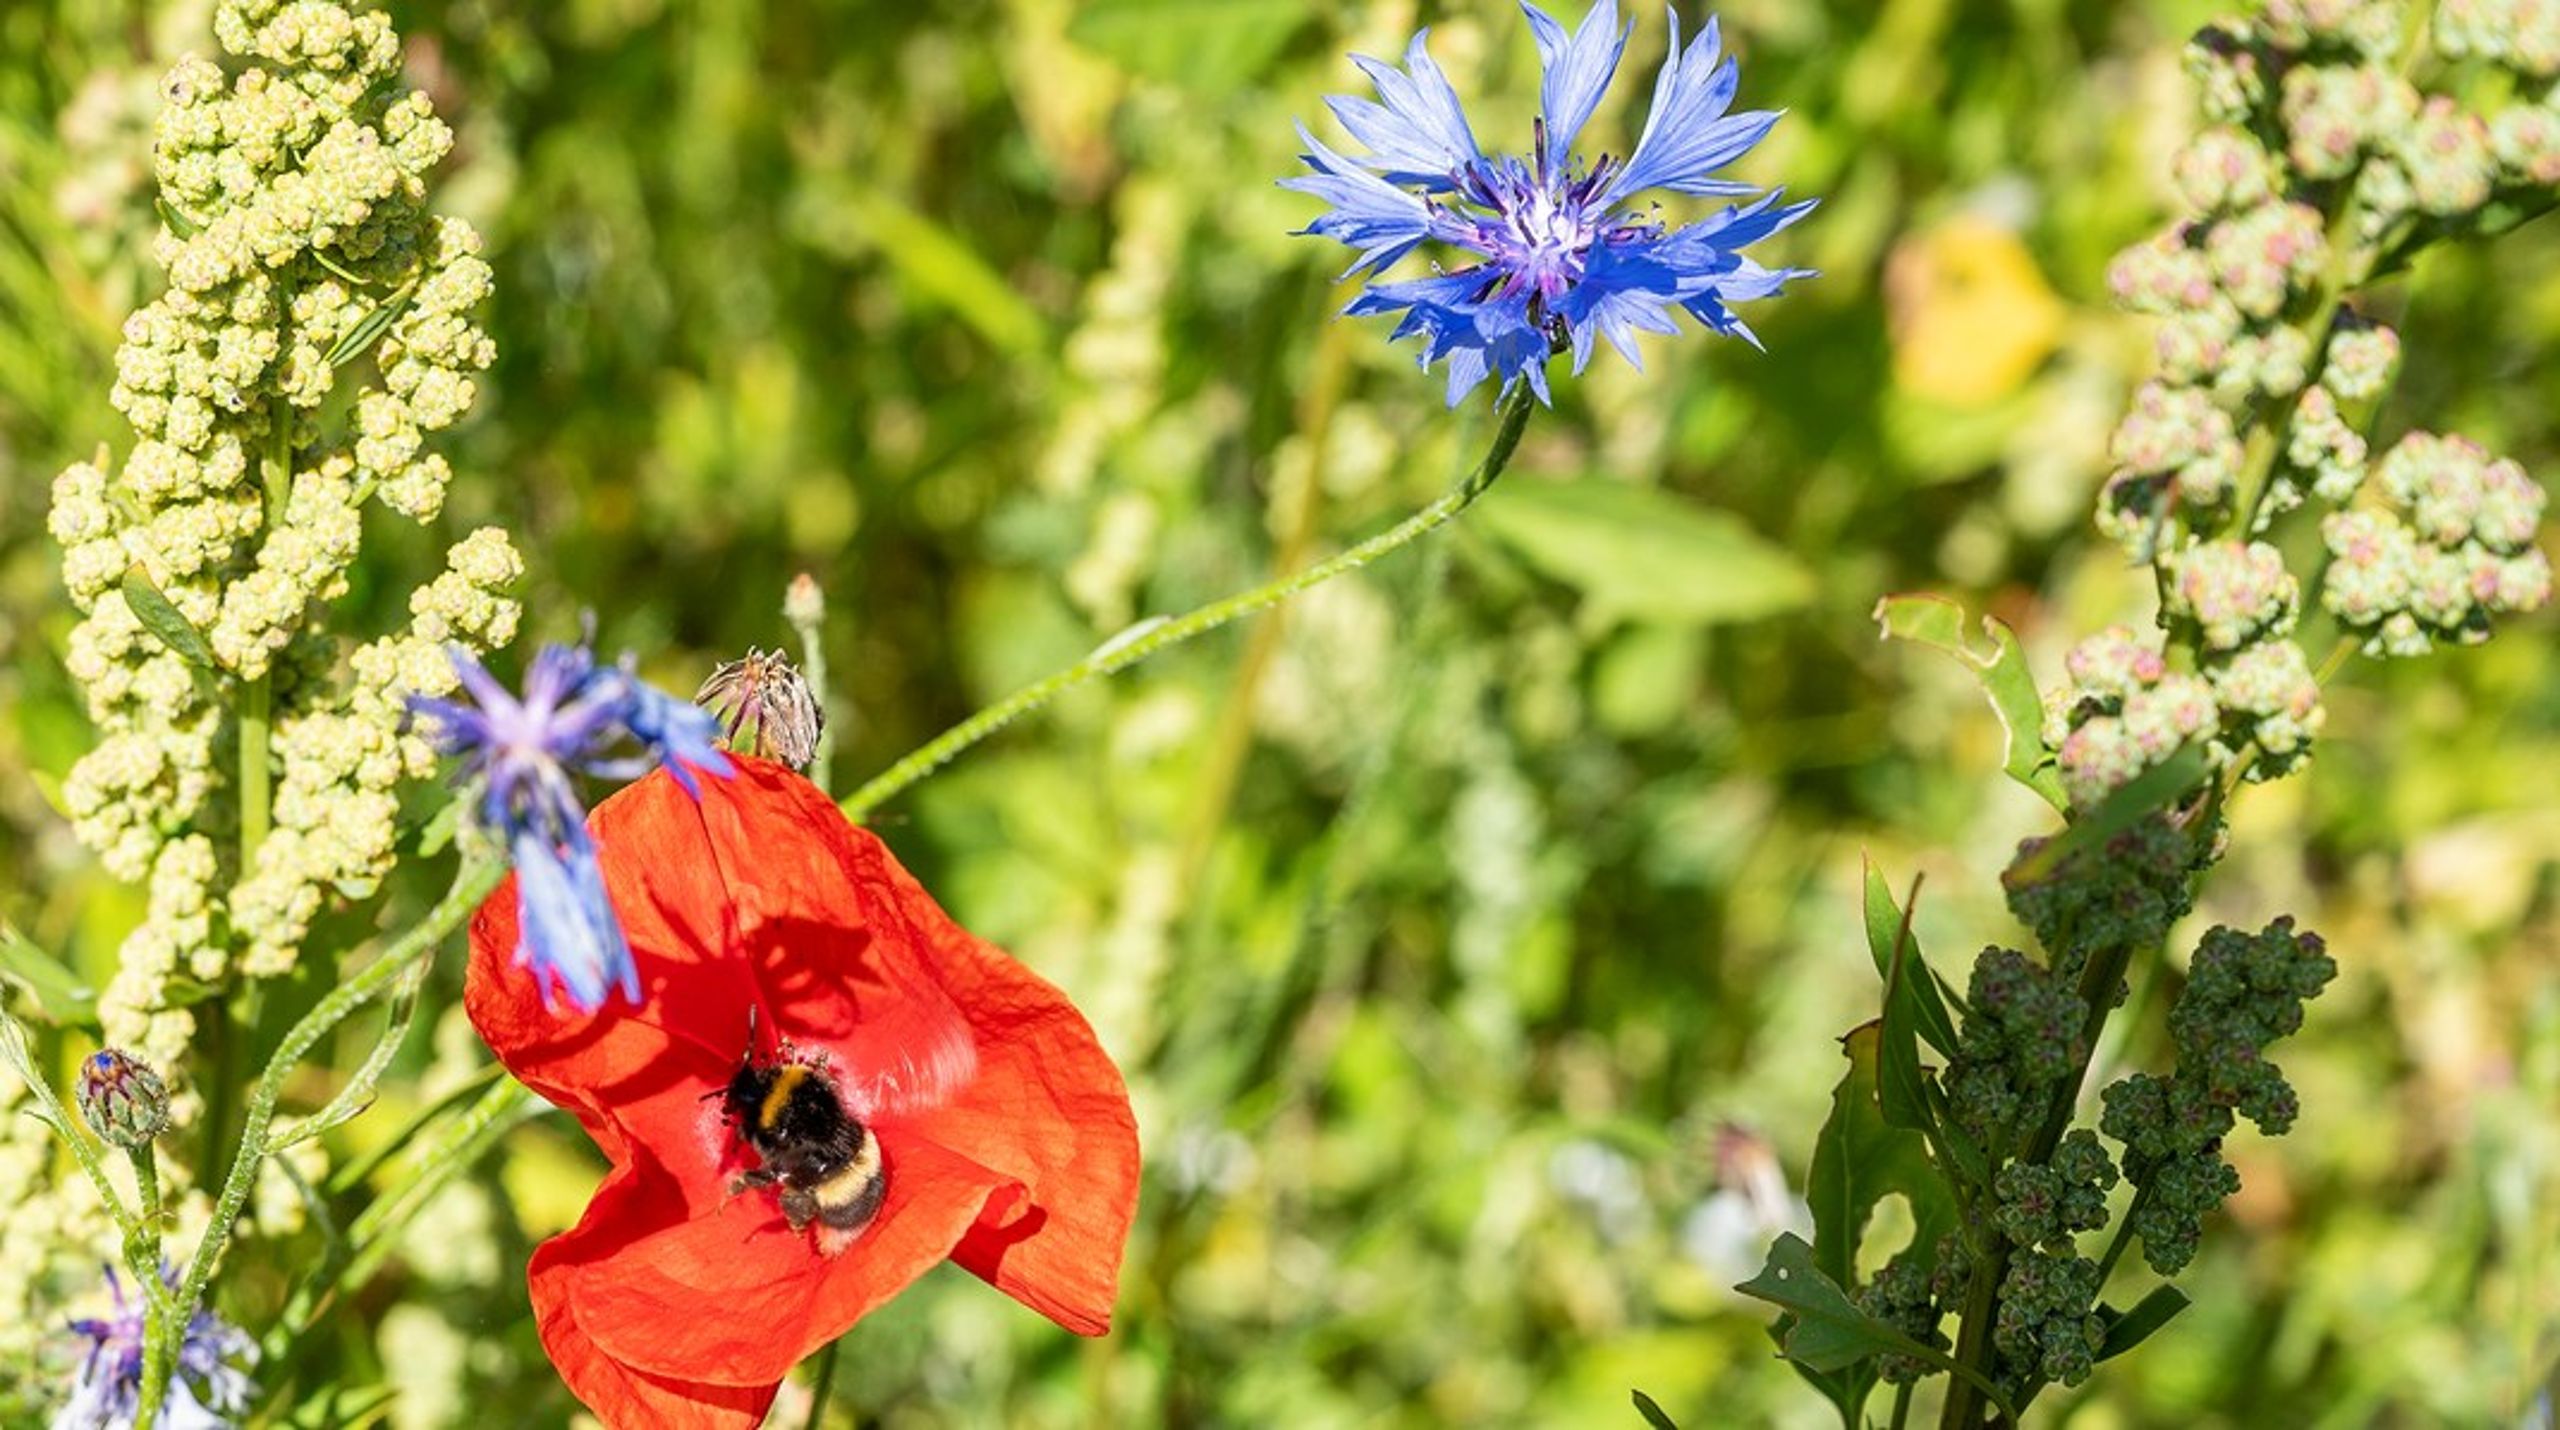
(750, 1181)
(798, 1206)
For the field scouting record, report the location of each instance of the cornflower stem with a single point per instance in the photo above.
(813, 668)
(471, 883)
(1148, 637)
(142, 1258)
(1232, 741)
(1902, 1403)
(2098, 980)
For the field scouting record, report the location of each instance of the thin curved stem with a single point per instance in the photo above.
(1148, 637)
(142, 1258)
(826, 1381)
(471, 883)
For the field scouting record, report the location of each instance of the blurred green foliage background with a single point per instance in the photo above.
(1475, 929)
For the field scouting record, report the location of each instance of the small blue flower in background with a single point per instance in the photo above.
(1561, 260)
(206, 1392)
(523, 755)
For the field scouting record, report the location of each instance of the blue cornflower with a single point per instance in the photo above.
(522, 756)
(206, 1393)
(1561, 259)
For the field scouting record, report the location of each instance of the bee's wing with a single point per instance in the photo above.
(909, 1054)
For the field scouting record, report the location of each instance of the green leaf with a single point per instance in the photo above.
(20, 1059)
(1860, 1159)
(1971, 1166)
(1207, 45)
(1829, 1332)
(164, 620)
(357, 1095)
(176, 219)
(2002, 672)
(1652, 1413)
(438, 828)
(2160, 787)
(61, 995)
(1640, 553)
(2127, 1329)
(359, 340)
(1826, 1331)
(1889, 937)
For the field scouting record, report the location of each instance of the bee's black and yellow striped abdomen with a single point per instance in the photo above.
(827, 1164)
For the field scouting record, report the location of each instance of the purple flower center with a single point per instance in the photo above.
(1537, 227)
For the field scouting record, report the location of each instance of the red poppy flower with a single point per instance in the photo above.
(1003, 1127)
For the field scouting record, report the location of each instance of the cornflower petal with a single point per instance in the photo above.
(523, 755)
(1576, 72)
(1369, 214)
(203, 1394)
(1687, 135)
(682, 735)
(1419, 135)
(571, 941)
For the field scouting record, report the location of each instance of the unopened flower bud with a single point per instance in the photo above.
(764, 707)
(2360, 362)
(122, 1099)
(2235, 594)
(804, 605)
(2447, 153)
(2526, 139)
(2230, 77)
(2225, 168)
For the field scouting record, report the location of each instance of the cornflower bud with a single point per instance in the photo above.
(804, 603)
(121, 1098)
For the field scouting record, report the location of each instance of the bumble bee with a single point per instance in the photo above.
(788, 1112)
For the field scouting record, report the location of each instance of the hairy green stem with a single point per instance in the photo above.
(471, 883)
(813, 668)
(142, 1258)
(1146, 638)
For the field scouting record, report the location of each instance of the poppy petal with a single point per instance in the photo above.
(620, 1393)
(1045, 1107)
(664, 883)
(656, 1302)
